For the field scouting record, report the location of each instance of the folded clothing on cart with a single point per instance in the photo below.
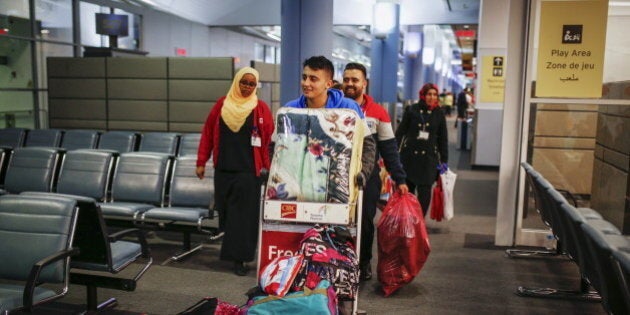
(317, 153)
(319, 300)
(329, 254)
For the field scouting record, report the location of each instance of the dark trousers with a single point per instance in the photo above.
(237, 196)
(423, 192)
(371, 195)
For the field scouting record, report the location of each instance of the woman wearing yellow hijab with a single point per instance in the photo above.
(237, 134)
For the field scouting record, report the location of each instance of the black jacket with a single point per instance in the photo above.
(420, 157)
(462, 104)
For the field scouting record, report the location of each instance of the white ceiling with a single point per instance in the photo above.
(346, 12)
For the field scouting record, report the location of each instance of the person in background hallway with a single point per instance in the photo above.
(423, 140)
(442, 97)
(237, 134)
(317, 92)
(354, 85)
(462, 105)
(448, 104)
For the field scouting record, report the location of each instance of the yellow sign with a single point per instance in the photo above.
(492, 79)
(571, 48)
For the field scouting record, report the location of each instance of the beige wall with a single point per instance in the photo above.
(563, 145)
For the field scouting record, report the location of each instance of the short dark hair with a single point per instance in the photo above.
(356, 66)
(320, 63)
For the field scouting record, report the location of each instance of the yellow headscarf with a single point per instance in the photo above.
(236, 108)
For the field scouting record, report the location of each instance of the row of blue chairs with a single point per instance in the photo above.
(49, 241)
(120, 141)
(142, 189)
(598, 248)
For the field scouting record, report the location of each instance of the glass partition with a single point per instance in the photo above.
(18, 8)
(54, 20)
(16, 109)
(581, 146)
(16, 71)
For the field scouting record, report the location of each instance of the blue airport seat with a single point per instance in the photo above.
(102, 256)
(189, 144)
(5, 156)
(12, 137)
(190, 200)
(621, 263)
(44, 138)
(36, 244)
(121, 141)
(601, 244)
(564, 221)
(32, 169)
(139, 184)
(161, 142)
(80, 139)
(86, 172)
(543, 206)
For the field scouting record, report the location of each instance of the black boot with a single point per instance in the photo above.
(365, 271)
(240, 269)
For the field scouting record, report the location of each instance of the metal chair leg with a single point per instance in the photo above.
(550, 293)
(188, 249)
(92, 300)
(525, 253)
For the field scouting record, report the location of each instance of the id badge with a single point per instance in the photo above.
(423, 135)
(256, 141)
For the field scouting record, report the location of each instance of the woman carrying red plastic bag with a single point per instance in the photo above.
(403, 242)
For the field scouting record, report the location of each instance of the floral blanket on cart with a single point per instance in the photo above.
(317, 153)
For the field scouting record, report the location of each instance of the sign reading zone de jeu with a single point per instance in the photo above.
(571, 49)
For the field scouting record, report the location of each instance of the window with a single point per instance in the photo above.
(54, 20)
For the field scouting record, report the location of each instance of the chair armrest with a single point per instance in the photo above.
(570, 195)
(29, 289)
(146, 253)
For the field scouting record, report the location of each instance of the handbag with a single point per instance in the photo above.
(437, 201)
(448, 187)
(277, 277)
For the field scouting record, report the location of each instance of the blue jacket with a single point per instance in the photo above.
(335, 100)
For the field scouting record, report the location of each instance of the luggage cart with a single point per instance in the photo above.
(283, 223)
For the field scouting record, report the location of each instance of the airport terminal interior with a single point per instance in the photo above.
(102, 104)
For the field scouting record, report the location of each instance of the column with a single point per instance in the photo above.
(384, 57)
(306, 31)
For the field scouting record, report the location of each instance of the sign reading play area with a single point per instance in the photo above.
(571, 49)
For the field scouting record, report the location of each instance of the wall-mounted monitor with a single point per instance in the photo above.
(112, 24)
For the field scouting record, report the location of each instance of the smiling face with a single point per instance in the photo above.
(315, 84)
(431, 97)
(354, 83)
(247, 84)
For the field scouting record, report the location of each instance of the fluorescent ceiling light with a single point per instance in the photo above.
(276, 37)
(428, 55)
(618, 4)
(412, 43)
(149, 2)
(383, 19)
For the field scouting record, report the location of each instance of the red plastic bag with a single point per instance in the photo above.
(403, 242)
(437, 202)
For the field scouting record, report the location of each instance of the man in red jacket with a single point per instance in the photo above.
(354, 85)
